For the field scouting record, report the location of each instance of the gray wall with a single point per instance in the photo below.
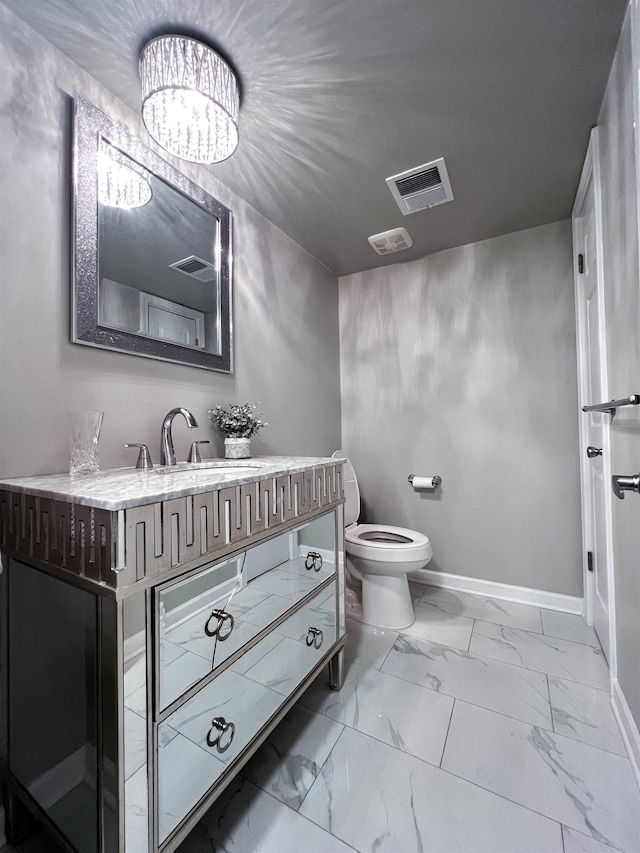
(620, 195)
(286, 303)
(463, 364)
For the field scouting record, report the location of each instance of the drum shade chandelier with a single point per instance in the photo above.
(189, 99)
(121, 182)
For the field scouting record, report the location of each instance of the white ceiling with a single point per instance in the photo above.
(337, 95)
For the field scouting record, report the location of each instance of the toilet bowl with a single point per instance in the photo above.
(380, 556)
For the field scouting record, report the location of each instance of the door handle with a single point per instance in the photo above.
(625, 484)
(594, 451)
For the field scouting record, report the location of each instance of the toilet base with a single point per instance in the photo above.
(386, 601)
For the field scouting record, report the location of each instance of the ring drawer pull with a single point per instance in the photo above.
(313, 561)
(221, 727)
(222, 617)
(315, 637)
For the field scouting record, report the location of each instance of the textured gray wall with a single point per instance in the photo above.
(620, 189)
(463, 364)
(286, 303)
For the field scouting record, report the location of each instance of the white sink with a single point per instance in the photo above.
(224, 467)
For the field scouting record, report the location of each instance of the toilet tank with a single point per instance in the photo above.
(351, 490)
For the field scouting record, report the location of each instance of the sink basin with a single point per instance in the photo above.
(224, 467)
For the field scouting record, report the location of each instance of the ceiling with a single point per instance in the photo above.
(337, 95)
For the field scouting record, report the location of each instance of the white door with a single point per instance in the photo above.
(170, 321)
(594, 435)
(171, 326)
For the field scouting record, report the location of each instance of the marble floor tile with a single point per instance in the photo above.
(519, 774)
(376, 798)
(501, 687)
(248, 659)
(368, 644)
(135, 742)
(137, 701)
(585, 714)
(268, 611)
(285, 666)
(564, 659)
(236, 698)
(244, 599)
(135, 674)
(191, 637)
(576, 842)
(185, 773)
(287, 584)
(179, 675)
(169, 652)
(568, 626)
(297, 626)
(479, 607)
(136, 810)
(248, 820)
(327, 598)
(287, 764)
(437, 625)
(585, 788)
(411, 718)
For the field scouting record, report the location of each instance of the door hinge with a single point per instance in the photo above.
(580, 263)
(590, 560)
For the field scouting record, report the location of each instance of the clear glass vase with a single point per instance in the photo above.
(84, 433)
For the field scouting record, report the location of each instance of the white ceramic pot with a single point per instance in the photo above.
(237, 448)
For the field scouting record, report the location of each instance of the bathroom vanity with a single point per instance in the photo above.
(156, 626)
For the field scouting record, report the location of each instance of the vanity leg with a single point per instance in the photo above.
(17, 818)
(336, 670)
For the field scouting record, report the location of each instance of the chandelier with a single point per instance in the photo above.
(121, 182)
(189, 99)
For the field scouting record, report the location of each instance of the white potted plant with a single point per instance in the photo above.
(237, 423)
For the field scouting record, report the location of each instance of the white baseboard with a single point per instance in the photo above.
(627, 726)
(503, 591)
(134, 646)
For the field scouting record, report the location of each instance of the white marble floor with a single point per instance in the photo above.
(485, 727)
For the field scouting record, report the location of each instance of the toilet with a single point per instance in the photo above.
(380, 556)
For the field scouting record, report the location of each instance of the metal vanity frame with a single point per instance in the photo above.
(115, 554)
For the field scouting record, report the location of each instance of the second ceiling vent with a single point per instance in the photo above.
(422, 187)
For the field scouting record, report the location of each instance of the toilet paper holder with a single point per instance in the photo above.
(437, 479)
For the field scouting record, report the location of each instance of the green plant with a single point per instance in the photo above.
(237, 421)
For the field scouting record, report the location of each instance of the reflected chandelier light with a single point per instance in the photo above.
(189, 99)
(121, 182)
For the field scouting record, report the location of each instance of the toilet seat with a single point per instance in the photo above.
(384, 542)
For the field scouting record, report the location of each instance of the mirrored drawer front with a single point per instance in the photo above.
(206, 618)
(199, 740)
(295, 646)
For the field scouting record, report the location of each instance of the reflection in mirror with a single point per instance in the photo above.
(158, 292)
(152, 252)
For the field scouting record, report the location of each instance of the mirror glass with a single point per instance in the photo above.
(152, 252)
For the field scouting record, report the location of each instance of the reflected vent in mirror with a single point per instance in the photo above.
(196, 268)
(421, 188)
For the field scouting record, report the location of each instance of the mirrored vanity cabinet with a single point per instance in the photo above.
(155, 628)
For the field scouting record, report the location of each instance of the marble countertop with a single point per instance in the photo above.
(120, 488)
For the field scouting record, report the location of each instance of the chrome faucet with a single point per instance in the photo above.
(167, 453)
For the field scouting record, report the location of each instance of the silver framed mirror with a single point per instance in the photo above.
(152, 252)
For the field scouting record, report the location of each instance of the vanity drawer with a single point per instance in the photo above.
(206, 734)
(207, 617)
(303, 639)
